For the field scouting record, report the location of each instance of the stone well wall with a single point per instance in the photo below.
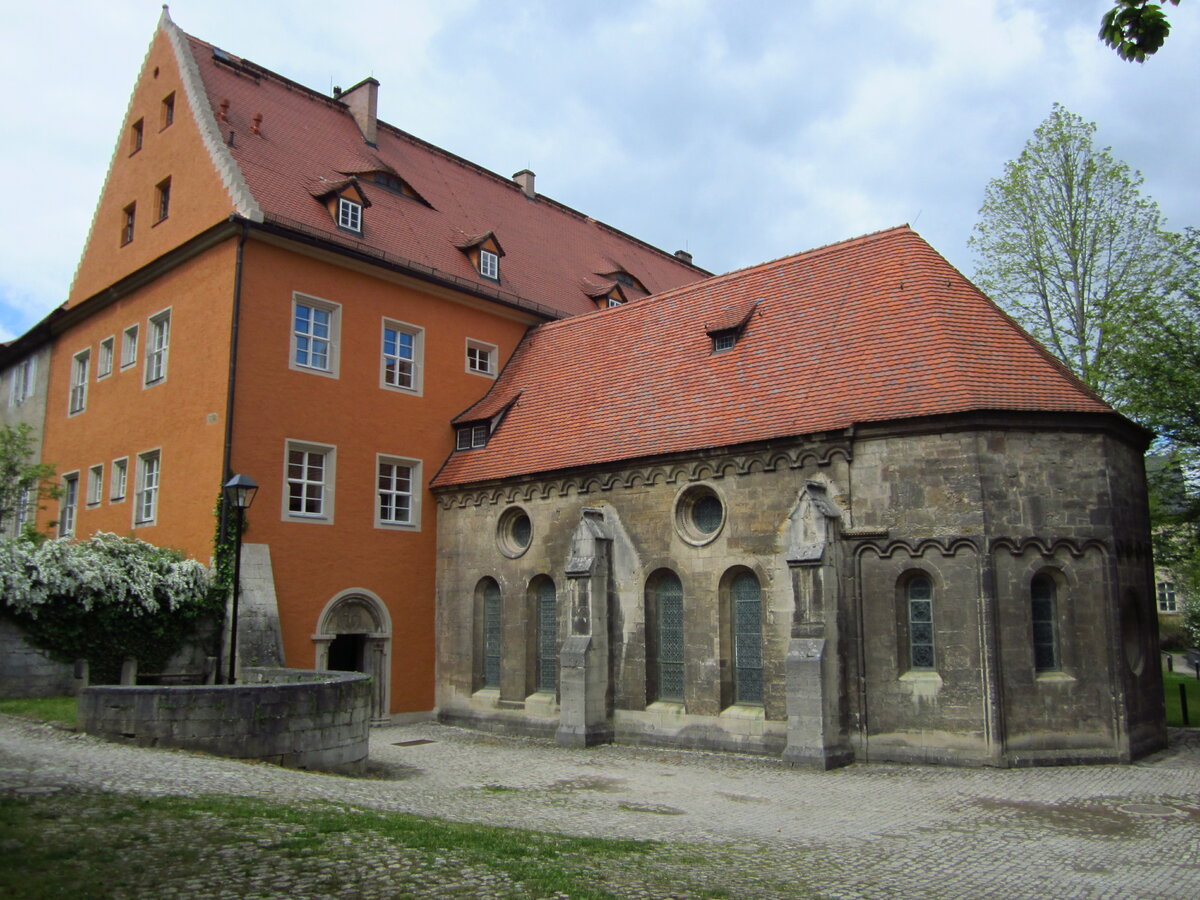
(291, 717)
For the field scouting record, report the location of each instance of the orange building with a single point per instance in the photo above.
(278, 284)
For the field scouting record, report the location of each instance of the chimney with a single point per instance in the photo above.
(363, 100)
(525, 179)
(684, 256)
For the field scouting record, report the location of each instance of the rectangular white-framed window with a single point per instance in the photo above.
(481, 358)
(403, 349)
(149, 471)
(349, 215)
(79, 382)
(23, 379)
(129, 347)
(397, 492)
(25, 511)
(316, 326)
(1166, 597)
(104, 362)
(68, 505)
(118, 479)
(158, 340)
(489, 265)
(308, 479)
(95, 486)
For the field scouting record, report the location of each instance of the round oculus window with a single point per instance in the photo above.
(699, 515)
(515, 532)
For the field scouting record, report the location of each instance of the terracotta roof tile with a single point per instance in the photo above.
(873, 329)
(305, 136)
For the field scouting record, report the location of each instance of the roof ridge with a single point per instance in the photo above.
(869, 237)
(550, 201)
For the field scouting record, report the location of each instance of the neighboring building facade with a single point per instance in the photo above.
(278, 284)
(833, 507)
(23, 380)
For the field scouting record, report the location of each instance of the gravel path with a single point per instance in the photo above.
(862, 831)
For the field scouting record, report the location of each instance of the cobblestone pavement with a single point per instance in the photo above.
(861, 831)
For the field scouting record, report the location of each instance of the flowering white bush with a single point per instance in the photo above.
(122, 574)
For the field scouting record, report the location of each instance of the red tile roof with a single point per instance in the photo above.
(305, 136)
(873, 329)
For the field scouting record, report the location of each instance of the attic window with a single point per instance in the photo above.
(472, 437)
(349, 215)
(724, 340)
(168, 109)
(489, 265)
(614, 301)
(135, 136)
(389, 181)
(128, 215)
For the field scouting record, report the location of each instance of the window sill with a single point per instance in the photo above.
(927, 676)
(397, 526)
(1054, 678)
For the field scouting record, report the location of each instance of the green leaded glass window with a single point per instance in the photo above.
(920, 623)
(522, 530)
(1043, 601)
(747, 639)
(547, 637)
(491, 635)
(706, 514)
(668, 602)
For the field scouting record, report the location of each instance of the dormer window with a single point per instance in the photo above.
(349, 215)
(724, 340)
(614, 301)
(489, 265)
(729, 324)
(471, 437)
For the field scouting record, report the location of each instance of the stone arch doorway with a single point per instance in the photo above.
(354, 634)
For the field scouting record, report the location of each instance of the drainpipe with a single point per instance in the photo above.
(227, 639)
(233, 349)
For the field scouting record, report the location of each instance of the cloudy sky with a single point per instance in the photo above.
(736, 129)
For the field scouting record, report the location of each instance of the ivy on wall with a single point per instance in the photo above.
(106, 599)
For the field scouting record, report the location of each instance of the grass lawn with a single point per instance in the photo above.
(1171, 683)
(46, 709)
(91, 845)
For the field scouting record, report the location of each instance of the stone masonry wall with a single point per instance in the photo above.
(291, 717)
(26, 671)
(979, 509)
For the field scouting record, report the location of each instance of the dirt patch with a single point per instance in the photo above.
(1087, 818)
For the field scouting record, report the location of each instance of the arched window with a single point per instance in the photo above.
(547, 637)
(491, 633)
(919, 597)
(746, 600)
(1043, 596)
(664, 632)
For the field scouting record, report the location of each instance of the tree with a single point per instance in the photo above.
(1070, 247)
(1136, 28)
(1159, 360)
(23, 483)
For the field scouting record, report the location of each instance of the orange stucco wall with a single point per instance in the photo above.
(312, 561)
(198, 198)
(183, 416)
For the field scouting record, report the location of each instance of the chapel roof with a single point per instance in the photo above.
(873, 329)
(287, 137)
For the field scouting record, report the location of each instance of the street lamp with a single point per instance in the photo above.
(239, 494)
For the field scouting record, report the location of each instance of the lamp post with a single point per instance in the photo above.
(239, 494)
